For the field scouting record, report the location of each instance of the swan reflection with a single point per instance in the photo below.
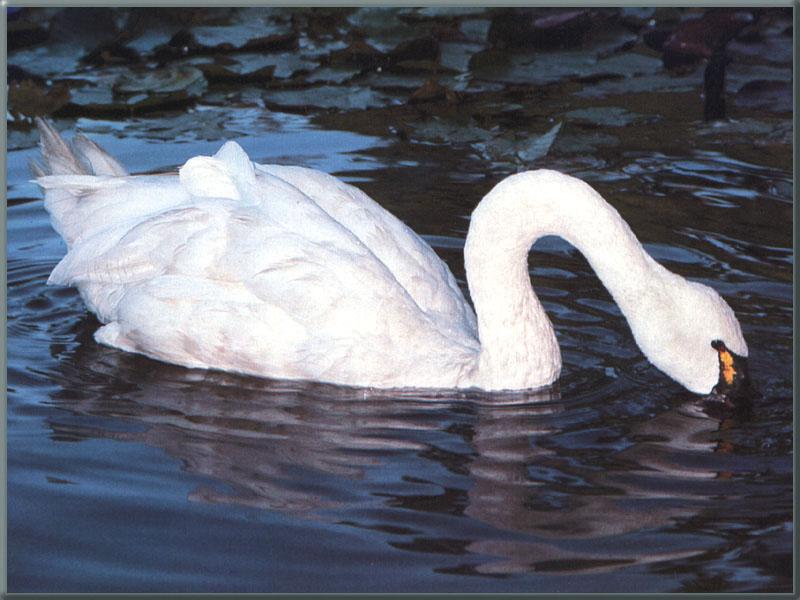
(593, 517)
(561, 486)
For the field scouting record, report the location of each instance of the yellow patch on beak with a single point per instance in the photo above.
(728, 370)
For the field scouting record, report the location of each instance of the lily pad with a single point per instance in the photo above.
(327, 97)
(562, 29)
(549, 67)
(217, 73)
(738, 74)
(432, 91)
(253, 25)
(536, 147)
(271, 43)
(449, 12)
(163, 81)
(584, 142)
(254, 67)
(771, 95)
(393, 82)
(112, 53)
(637, 74)
(384, 29)
(636, 17)
(770, 41)
(101, 101)
(456, 56)
(287, 64)
(550, 29)
(358, 54)
(604, 116)
(52, 60)
(476, 30)
(29, 98)
(130, 93)
(424, 48)
(184, 43)
(522, 151)
(332, 75)
(441, 131)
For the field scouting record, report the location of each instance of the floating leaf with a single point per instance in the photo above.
(185, 44)
(112, 53)
(384, 29)
(216, 73)
(515, 28)
(604, 116)
(436, 12)
(343, 98)
(332, 75)
(584, 143)
(29, 98)
(537, 147)
(51, 60)
(771, 95)
(456, 56)
(440, 131)
(185, 78)
(358, 54)
(426, 48)
(432, 91)
(521, 152)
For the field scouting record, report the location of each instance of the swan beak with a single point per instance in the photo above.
(734, 379)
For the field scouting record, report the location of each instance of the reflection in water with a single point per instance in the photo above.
(612, 484)
(560, 497)
(561, 486)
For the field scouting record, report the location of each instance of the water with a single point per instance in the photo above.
(129, 475)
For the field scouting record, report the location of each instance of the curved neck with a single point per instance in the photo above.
(518, 344)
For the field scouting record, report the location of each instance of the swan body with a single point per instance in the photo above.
(290, 273)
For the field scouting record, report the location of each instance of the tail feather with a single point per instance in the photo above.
(59, 159)
(71, 175)
(102, 162)
(37, 168)
(82, 157)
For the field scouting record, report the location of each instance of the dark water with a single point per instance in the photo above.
(130, 475)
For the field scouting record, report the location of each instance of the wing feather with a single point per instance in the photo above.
(127, 254)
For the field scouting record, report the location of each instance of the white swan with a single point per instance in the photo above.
(287, 272)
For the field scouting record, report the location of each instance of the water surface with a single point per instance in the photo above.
(129, 475)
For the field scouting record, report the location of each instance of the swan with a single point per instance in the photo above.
(287, 272)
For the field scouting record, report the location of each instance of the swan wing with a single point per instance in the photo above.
(249, 275)
(86, 193)
(360, 325)
(411, 260)
(276, 303)
(80, 206)
(134, 250)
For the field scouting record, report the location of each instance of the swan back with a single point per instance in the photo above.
(412, 261)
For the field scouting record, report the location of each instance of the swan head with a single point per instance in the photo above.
(690, 333)
(734, 377)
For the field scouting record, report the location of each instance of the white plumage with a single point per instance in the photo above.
(290, 273)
